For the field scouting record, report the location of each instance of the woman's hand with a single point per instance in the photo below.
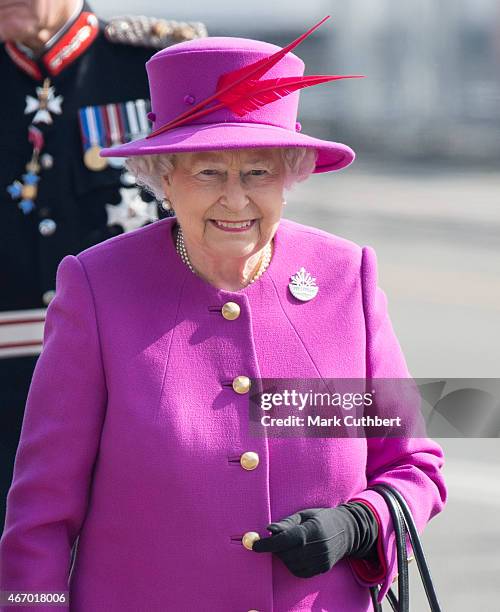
(310, 542)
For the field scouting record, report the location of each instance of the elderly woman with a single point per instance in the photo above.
(135, 453)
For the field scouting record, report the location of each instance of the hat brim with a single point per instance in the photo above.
(217, 136)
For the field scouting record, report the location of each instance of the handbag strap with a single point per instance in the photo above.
(391, 598)
(397, 503)
(418, 551)
(403, 601)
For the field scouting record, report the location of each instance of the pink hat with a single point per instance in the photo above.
(207, 94)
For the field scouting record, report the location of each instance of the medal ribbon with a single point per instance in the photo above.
(90, 127)
(113, 124)
(142, 115)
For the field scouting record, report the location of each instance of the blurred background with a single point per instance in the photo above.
(424, 192)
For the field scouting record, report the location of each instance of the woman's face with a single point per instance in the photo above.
(243, 186)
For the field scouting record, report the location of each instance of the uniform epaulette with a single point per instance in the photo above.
(153, 32)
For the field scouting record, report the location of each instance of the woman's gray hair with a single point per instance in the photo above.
(149, 169)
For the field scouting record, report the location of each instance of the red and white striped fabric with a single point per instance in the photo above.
(21, 332)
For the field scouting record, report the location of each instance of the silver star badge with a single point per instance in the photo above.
(132, 212)
(45, 104)
(303, 286)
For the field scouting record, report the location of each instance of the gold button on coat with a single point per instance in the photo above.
(231, 311)
(241, 384)
(249, 538)
(249, 460)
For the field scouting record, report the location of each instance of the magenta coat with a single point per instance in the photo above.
(133, 432)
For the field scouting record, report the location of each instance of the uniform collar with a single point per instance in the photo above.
(73, 39)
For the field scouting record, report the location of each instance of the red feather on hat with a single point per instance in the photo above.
(258, 94)
(243, 92)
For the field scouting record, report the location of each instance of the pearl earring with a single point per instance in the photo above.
(166, 204)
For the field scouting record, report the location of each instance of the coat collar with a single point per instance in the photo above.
(74, 38)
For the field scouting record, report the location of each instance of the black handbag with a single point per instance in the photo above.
(404, 524)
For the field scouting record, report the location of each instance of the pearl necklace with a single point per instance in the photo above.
(264, 262)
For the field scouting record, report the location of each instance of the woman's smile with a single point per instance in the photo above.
(233, 226)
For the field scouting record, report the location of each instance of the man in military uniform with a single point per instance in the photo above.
(71, 84)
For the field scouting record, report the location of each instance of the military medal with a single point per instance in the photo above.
(303, 286)
(44, 104)
(115, 123)
(110, 125)
(92, 159)
(134, 122)
(27, 189)
(92, 129)
(132, 212)
(127, 121)
(137, 119)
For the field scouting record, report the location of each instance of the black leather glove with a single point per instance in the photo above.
(311, 541)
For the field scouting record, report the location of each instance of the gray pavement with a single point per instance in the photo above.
(437, 237)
